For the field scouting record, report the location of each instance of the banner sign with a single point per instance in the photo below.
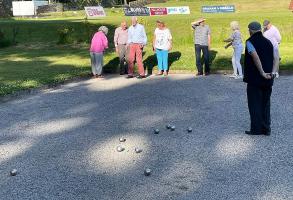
(218, 9)
(23, 8)
(94, 12)
(139, 11)
(158, 11)
(184, 10)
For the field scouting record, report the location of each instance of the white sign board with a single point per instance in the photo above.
(23, 8)
(184, 10)
(26, 8)
(95, 12)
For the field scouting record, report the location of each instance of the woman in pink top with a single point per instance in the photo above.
(98, 45)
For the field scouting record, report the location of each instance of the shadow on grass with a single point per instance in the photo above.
(151, 61)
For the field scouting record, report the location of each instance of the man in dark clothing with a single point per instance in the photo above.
(258, 69)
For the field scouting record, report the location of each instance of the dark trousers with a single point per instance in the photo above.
(206, 56)
(123, 55)
(259, 105)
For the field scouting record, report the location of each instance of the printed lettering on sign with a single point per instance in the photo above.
(184, 10)
(158, 11)
(94, 12)
(140, 11)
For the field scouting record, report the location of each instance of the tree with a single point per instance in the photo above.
(5, 8)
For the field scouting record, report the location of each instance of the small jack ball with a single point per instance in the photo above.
(168, 126)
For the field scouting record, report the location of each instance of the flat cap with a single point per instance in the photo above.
(254, 26)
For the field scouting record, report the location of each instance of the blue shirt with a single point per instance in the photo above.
(136, 34)
(250, 47)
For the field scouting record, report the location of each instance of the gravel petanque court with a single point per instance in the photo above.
(63, 142)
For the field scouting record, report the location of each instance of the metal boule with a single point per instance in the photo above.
(137, 150)
(147, 172)
(122, 139)
(120, 148)
(189, 129)
(156, 131)
(13, 172)
(173, 128)
(168, 126)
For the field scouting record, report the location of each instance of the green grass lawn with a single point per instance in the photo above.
(37, 60)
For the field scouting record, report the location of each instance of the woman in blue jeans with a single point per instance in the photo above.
(162, 44)
(236, 41)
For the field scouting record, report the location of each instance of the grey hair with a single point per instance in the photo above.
(104, 29)
(234, 25)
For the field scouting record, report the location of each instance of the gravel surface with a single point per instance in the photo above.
(63, 141)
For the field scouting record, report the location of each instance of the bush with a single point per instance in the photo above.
(65, 35)
(3, 41)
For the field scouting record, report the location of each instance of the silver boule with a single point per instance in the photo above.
(137, 150)
(173, 128)
(147, 172)
(13, 172)
(189, 129)
(168, 126)
(156, 131)
(122, 139)
(120, 148)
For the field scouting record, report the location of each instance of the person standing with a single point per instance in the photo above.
(236, 41)
(202, 40)
(120, 41)
(98, 45)
(258, 66)
(273, 34)
(137, 39)
(162, 44)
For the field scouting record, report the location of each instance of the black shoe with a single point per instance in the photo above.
(129, 76)
(121, 73)
(140, 77)
(199, 74)
(252, 133)
(267, 133)
(207, 73)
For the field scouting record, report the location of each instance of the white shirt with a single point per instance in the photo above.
(137, 35)
(163, 38)
(273, 35)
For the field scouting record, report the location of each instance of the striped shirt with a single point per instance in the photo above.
(201, 34)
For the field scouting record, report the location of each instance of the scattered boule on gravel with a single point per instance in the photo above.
(168, 126)
(147, 172)
(13, 172)
(120, 148)
(173, 128)
(156, 131)
(137, 150)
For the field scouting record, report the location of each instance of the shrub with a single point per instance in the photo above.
(65, 35)
(3, 41)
